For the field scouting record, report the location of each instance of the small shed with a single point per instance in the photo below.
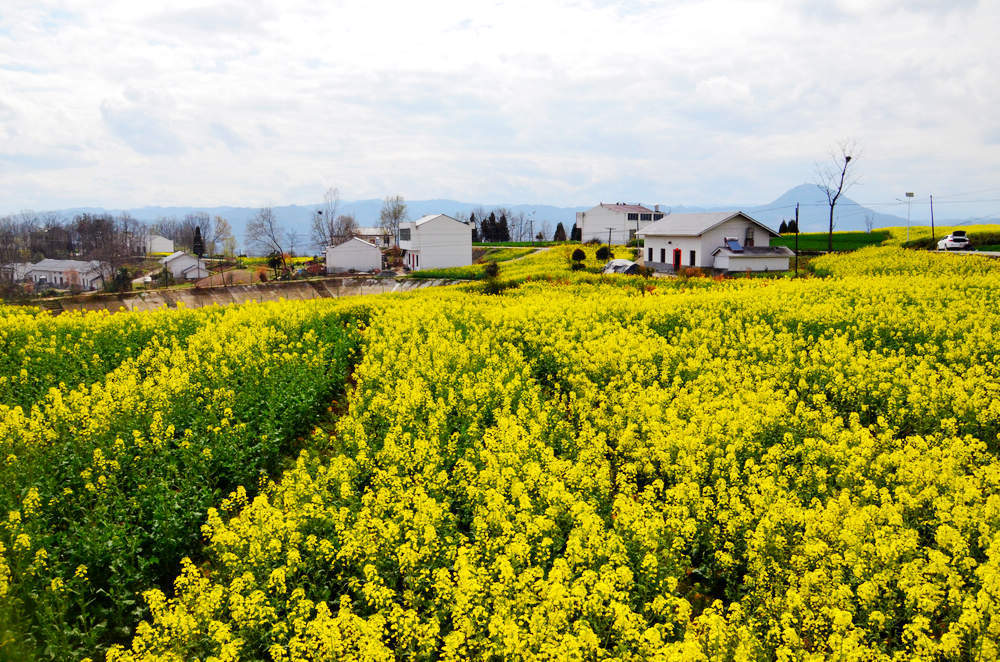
(354, 254)
(183, 266)
(620, 266)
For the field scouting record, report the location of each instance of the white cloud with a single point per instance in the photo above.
(534, 101)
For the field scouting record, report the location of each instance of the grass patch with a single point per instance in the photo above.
(842, 241)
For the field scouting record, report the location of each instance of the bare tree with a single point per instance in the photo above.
(833, 178)
(324, 231)
(224, 236)
(265, 233)
(869, 223)
(393, 213)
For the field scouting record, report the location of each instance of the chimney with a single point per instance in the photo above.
(656, 207)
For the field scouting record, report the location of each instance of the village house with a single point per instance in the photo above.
(158, 244)
(67, 274)
(724, 241)
(354, 254)
(14, 272)
(435, 241)
(622, 219)
(183, 266)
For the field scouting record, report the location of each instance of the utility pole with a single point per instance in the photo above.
(909, 198)
(609, 238)
(933, 244)
(796, 240)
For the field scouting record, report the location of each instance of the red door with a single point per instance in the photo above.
(677, 259)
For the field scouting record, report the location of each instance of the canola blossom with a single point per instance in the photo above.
(104, 485)
(697, 470)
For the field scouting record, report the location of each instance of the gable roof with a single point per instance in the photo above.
(433, 217)
(694, 225)
(353, 239)
(173, 256)
(51, 264)
(626, 208)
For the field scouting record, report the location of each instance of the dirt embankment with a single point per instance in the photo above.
(225, 295)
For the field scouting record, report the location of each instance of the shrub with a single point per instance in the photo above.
(603, 253)
(579, 255)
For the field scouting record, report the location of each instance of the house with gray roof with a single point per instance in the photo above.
(67, 274)
(728, 241)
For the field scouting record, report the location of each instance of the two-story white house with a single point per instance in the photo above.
(183, 266)
(435, 241)
(623, 220)
(65, 274)
(724, 241)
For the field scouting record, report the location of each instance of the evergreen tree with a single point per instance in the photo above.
(503, 232)
(560, 234)
(198, 245)
(783, 228)
(576, 234)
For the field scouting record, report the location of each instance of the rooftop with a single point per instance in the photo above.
(623, 208)
(693, 225)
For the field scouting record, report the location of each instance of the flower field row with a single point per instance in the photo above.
(752, 470)
(105, 485)
(39, 352)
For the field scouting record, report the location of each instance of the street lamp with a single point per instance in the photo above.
(909, 199)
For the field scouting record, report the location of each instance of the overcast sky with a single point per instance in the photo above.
(122, 103)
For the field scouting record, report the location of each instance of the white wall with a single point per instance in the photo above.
(180, 263)
(157, 244)
(668, 244)
(594, 224)
(736, 263)
(735, 227)
(353, 254)
(441, 242)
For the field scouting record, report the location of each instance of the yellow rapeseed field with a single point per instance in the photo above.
(577, 468)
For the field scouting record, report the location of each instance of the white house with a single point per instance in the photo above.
(724, 241)
(15, 271)
(356, 254)
(379, 236)
(623, 220)
(87, 275)
(157, 244)
(184, 267)
(435, 241)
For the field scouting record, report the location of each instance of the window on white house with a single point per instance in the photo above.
(693, 258)
(404, 234)
(650, 255)
(663, 255)
(748, 241)
(645, 217)
(633, 217)
(657, 216)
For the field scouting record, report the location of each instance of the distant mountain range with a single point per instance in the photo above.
(813, 212)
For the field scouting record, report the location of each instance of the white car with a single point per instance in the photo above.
(956, 241)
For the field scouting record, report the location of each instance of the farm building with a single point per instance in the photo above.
(622, 219)
(157, 244)
(436, 241)
(183, 266)
(354, 254)
(723, 241)
(87, 275)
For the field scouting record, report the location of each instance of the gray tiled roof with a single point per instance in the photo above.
(693, 225)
